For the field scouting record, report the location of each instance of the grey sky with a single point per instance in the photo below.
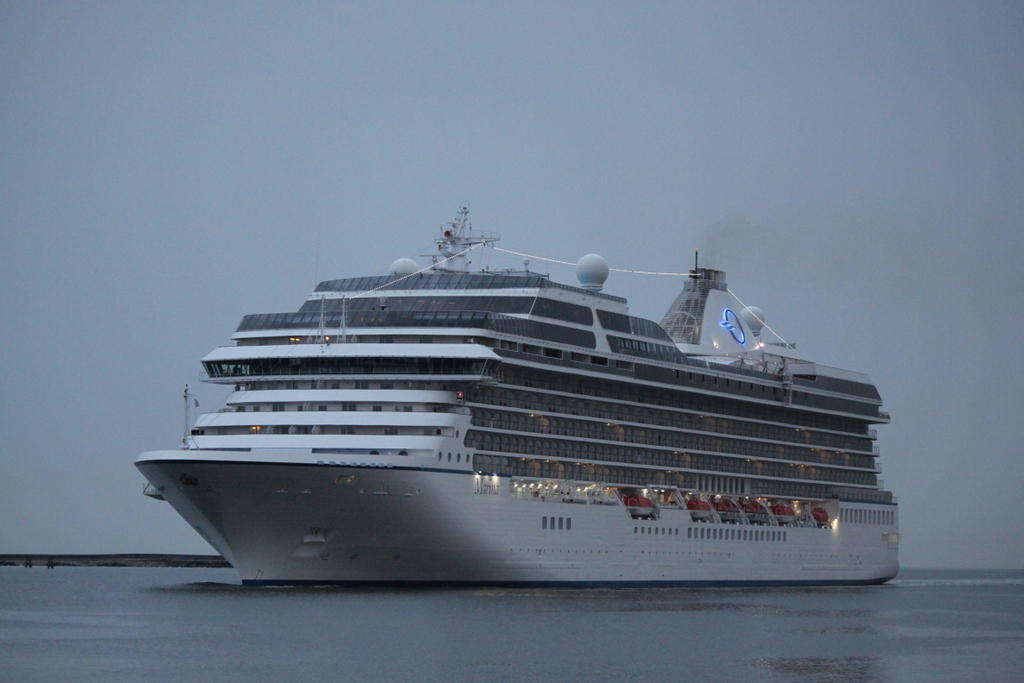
(165, 168)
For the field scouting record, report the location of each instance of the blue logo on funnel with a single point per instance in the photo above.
(732, 323)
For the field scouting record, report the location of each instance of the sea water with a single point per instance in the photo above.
(137, 624)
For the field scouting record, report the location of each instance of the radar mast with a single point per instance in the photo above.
(456, 239)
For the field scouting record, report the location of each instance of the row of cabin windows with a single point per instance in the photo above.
(579, 450)
(324, 407)
(590, 472)
(575, 357)
(786, 489)
(324, 384)
(352, 339)
(715, 533)
(724, 534)
(859, 516)
(614, 431)
(368, 430)
(664, 418)
(701, 403)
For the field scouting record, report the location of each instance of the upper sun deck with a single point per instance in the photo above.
(433, 299)
(456, 282)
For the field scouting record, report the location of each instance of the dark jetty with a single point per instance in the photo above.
(128, 560)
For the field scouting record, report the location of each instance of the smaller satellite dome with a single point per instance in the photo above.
(753, 318)
(592, 271)
(404, 266)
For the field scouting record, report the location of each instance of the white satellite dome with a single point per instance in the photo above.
(753, 318)
(404, 266)
(592, 271)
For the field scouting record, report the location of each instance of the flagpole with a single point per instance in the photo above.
(184, 431)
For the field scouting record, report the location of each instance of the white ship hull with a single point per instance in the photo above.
(404, 521)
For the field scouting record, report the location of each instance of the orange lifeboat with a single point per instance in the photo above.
(820, 516)
(728, 510)
(699, 509)
(638, 506)
(755, 512)
(783, 513)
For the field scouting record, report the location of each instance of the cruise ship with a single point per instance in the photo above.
(450, 426)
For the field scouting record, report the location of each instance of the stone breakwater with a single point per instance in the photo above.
(123, 560)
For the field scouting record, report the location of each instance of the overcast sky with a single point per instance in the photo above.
(165, 168)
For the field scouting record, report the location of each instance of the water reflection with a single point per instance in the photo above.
(823, 669)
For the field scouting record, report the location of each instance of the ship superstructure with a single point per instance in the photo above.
(436, 425)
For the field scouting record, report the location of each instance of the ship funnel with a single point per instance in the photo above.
(684, 317)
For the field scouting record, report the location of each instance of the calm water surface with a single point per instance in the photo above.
(116, 624)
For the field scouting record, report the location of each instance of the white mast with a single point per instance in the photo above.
(184, 432)
(459, 237)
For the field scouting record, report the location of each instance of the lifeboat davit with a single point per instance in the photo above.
(728, 510)
(783, 513)
(639, 506)
(820, 516)
(699, 510)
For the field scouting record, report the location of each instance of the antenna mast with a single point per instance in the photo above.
(184, 432)
(455, 240)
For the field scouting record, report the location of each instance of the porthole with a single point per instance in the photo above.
(458, 457)
(449, 457)
(439, 456)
